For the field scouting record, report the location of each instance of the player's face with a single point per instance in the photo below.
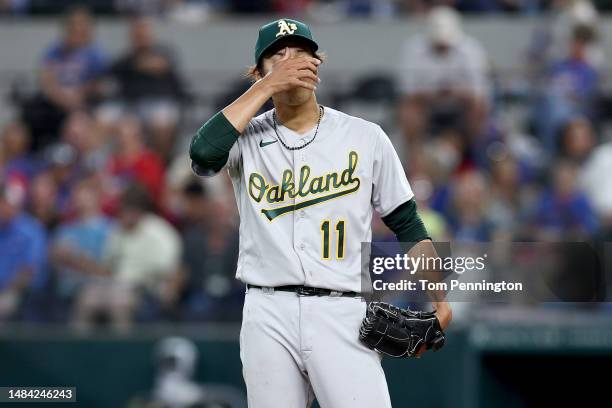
(298, 95)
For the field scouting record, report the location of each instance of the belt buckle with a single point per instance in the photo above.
(306, 291)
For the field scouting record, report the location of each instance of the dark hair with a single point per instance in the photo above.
(136, 197)
(194, 189)
(584, 33)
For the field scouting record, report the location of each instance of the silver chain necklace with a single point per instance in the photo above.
(280, 139)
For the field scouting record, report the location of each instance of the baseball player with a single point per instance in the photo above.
(307, 179)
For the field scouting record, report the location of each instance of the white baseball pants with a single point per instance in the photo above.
(294, 348)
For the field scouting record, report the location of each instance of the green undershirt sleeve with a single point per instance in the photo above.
(405, 222)
(210, 146)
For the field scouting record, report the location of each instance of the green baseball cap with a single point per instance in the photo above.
(271, 33)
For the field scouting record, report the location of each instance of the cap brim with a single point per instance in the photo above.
(311, 43)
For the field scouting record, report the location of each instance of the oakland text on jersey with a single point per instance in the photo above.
(337, 184)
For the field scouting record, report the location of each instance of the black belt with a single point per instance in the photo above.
(308, 290)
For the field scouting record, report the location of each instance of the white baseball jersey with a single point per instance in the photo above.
(304, 213)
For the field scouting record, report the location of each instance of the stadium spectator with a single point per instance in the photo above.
(508, 197)
(443, 79)
(62, 164)
(70, 68)
(43, 201)
(467, 215)
(80, 241)
(141, 263)
(577, 139)
(132, 162)
(150, 85)
(14, 158)
(292, 7)
(141, 7)
(91, 146)
(571, 88)
(434, 222)
(425, 173)
(210, 256)
(14, 6)
(477, 6)
(553, 35)
(563, 211)
(250, 6)
(23, 250)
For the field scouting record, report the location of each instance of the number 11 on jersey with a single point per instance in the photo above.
(326, 239)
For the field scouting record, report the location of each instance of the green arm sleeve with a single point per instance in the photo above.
(405, 222)
(210, 146)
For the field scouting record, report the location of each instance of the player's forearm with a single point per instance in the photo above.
(210, 146)
(444, 313)
(408, 227)
(437, 297)
(240, 112)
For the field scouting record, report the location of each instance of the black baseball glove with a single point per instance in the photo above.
(400, 332)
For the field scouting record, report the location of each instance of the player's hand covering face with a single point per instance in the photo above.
(291, 69)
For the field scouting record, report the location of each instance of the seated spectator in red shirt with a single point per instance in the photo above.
(132, 162)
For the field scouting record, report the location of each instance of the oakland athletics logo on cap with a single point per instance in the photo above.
(285, 28)
(279, 30)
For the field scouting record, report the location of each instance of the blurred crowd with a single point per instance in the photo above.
(543, 178)
(102, 222)
(197, 10)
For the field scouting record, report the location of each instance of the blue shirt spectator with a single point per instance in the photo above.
(22, 250)
(88, 236)
(84, 238)
(564, 214)
(81, 241)
(564, 210)
(74, 66)
(570, 91)
(574, 78)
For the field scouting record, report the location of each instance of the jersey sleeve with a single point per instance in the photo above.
(216, 146)
(390, 187)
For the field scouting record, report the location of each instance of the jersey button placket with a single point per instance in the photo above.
(297, 238)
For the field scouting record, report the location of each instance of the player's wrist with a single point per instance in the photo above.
(444, 313)
(264, 88)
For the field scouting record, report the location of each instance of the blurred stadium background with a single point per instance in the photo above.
(117, 264)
